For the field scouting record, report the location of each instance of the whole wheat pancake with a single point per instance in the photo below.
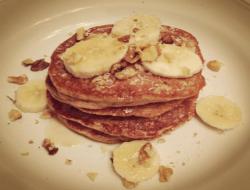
(131, 127)
(141, 89)
(91, 133)
(147, 110)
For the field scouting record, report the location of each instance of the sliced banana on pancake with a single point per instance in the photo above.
(142, 29)
(174, 62)
(31, 97)
(219, 112)
(93, 56)
(136, 161)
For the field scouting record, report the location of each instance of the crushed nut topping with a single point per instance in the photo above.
(126, 73)
(214, 65)
(92, 175)
(144, 153)
(132, 55)
(14, 115)
(80, 34)
(39, 65)
(165, 173)
(124, 39)
(116, 67)
(167, 39)
(102, 81)
(159, 88)
(27, 62)
(49, 146)
(22, 79)
(68, 162)
(128, 184)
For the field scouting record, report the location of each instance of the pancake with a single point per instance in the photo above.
(148, 110)
(90, 133)
(144, 88)
(130, 127)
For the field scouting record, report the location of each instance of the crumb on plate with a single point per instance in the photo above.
(165, 173)
(14, 115)
(21, 79)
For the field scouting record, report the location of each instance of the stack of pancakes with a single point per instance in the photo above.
(110, 110)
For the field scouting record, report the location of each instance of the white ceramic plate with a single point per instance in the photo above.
(208, 160)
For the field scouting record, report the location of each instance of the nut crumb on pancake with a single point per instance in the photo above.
(14, 115)
(132, 56)
(165, 173)
(102, 81)
(21, 79)
(214, 65)
(126, 73)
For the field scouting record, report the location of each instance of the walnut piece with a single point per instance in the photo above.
(14, 115)
(49, 146)
(132, 55)
(68, 162)
(22, 79)
(80, 34)
(144, 153)
(165, 173)
(92, 175)
(126, 73)
(27, 62)
(128, 184)
(214, 65)
(124, 39)
(39, 65)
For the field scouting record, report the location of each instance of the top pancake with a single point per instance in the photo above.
(141, 89)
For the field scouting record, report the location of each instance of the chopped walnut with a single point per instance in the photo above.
(116, 67)
(27, 62)
(39, 65)
(68, 162)
(214, 65)
(165, 173)
(49, 146)
(46, 114)
(144, 153)
(22, 79)
(80, 34)
(14, 115)
(128, 184)
(102, 81)
(124, 39)
(92, 175)
(126, 73)
(132, 56)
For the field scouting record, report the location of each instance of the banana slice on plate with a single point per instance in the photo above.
(94, 56)
(31, 97)
(219, 112)
(174, 62)
(143, 30)
(136, 161)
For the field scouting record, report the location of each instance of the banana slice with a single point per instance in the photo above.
(31, 97)
(136, 161)
(219, 112)
(175, 62)
(93, 56)
(144, 30)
